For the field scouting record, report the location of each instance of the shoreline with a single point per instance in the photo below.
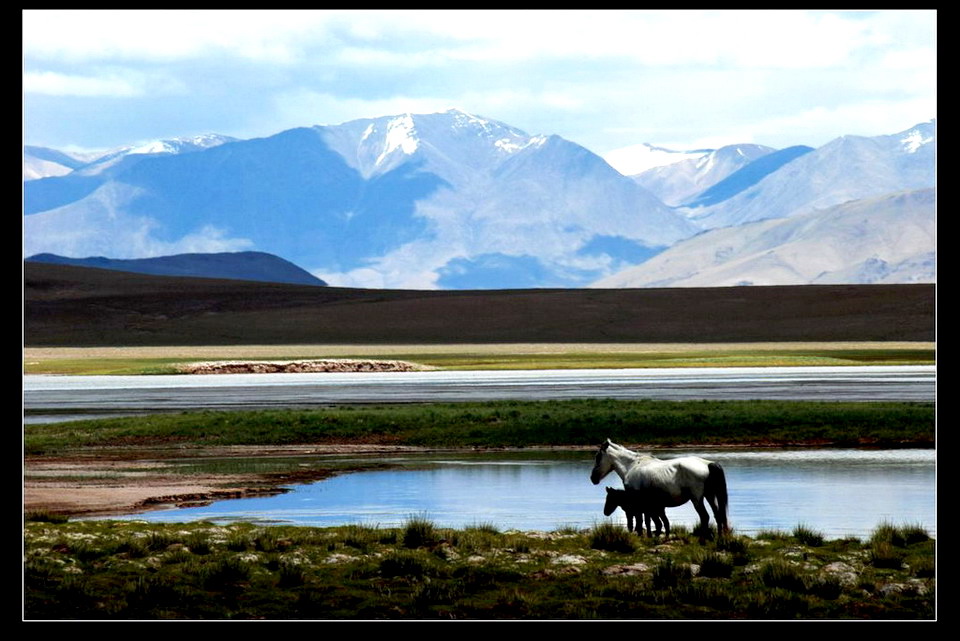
(116, 482)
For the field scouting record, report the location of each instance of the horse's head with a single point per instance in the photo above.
(602, 464)
(612, 502)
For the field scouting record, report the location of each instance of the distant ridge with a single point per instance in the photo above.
(82, 306)
(748, 176)
(255, 266)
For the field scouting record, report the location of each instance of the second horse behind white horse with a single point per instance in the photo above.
(666, 483)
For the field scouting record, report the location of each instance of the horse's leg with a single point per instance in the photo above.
(716, 487)
(649, 531)
(717, 514)
(629, 521)
(702, 511)
(666, 523)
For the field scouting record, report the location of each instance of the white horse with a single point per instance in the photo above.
(667, 483)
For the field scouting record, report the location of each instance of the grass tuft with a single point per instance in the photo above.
(419, 532)
(808, 536)
(670, 574)
(884, 554)
(899, 536)
(782, 574)
(612, 538)
(715, 565)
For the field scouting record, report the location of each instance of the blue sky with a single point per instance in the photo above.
(96, 79)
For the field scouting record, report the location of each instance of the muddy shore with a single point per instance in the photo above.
(118, 481)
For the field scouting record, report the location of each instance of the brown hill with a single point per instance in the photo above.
(79, 306)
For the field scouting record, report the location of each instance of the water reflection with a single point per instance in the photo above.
(838, 492)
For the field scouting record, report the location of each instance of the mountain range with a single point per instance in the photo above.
(454, 201)
(866, 241)
(254, 266)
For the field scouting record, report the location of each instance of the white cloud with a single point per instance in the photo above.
(868, 118)
(601, 78)
(59, 84)
(747, 38)
(78, 35)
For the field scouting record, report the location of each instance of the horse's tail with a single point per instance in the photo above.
(716, 487)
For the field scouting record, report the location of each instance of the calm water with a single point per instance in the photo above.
(837, 492)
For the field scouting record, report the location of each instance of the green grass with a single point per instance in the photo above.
(135, 570)
(612, 538)
(808, 536)
(513, 424)
(102, 366)
(499, 357)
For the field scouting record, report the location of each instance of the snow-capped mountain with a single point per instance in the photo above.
(454, 200)
(169, 146)
(414, 200)
(679, 182)
(747, 176)
(43, 162)
(888, 239)
(636, 159)
(847, 168)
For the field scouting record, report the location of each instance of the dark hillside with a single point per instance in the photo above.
(248, 265)
(79, 306)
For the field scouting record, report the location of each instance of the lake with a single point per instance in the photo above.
(839, 493)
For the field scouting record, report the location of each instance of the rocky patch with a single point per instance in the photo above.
(276, 367)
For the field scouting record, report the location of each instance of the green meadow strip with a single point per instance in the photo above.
(513, 424)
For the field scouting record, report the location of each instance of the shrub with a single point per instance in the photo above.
(827, 587)
(419, 532)
(612, 538)
(923, 567)
(776, 604)
(486, 527)
(406, 564)
(715, 565)
(780, 574)
(885, 555)
(198, 543)
(737, 546)
(899, 536)
(669, 574)
(224, 573)
(807, 536)
(360, 537)
(291, 574)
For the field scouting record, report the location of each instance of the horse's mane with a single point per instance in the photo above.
(626, 450)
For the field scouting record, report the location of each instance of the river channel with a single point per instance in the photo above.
(839, 493)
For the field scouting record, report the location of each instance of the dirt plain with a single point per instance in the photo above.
(85, 307)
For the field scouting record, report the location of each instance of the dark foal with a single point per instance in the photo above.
(636, 505)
